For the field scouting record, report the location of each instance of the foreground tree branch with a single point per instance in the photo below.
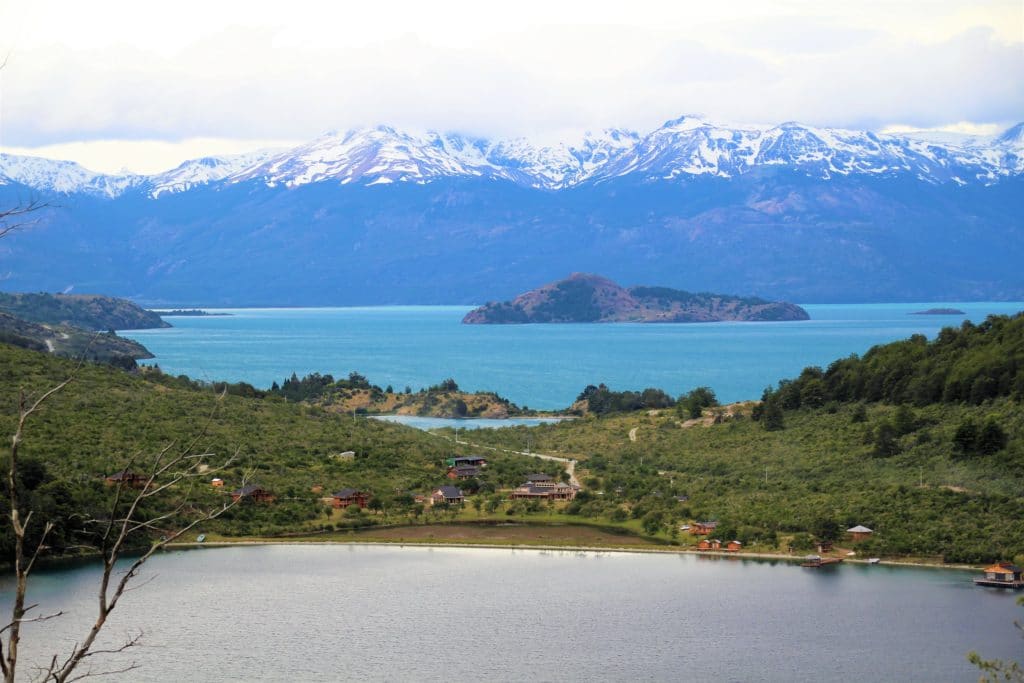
(152, 514)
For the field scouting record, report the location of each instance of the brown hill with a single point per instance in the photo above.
(583, 297)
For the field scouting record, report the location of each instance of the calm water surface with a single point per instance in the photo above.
(302, 613)
(542, 366)
(476, 423)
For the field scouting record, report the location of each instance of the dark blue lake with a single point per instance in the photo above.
(304, 613)
(542, 366)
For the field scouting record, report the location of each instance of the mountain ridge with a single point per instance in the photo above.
(685, 146)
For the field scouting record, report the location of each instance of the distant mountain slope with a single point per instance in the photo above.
(591, 298)
(87, 311)
(774, 232)
(382, 216)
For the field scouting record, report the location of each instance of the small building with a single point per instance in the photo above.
(346, 497)
(734, 546)
(716, 544)
(253, 492)
(703, 528)
(447, 495)
(463, 472)
(1002, 575)
(126, 478)
(824, 547)
(344, 455)
(470, 460)
(540, 479)
(217, 483)
(704, 544)
(556, 491)
(859, 532)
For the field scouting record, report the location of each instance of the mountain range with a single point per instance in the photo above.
(379, 215)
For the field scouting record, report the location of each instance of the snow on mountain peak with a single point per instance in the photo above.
(683, 147)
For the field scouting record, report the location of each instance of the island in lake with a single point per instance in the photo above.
(587, 298)
(940, 311)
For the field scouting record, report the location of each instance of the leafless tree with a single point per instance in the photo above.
(169, 474)
(14, 219)
(173, 470)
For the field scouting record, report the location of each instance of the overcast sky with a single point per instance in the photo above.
(143, 86)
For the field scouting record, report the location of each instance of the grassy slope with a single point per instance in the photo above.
(107, 416)
(819, 468)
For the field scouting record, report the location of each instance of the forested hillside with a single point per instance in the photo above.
(921, 441)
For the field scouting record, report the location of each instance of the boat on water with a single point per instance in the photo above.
(874, 560)
(819, 561)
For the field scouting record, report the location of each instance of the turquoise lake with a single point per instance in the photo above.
(541, 366)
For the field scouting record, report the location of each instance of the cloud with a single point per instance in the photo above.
(250, 72)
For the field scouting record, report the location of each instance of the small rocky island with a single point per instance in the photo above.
(940, 311)
(586, 298)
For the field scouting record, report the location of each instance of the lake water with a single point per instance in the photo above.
(302, 613)
(541, 366)
(477, 423)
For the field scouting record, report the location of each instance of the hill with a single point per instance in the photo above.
(107, 419)
(591, 298)
(86, 311)
(71, 342)
(921, 441)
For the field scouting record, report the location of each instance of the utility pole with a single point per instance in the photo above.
(766, 474)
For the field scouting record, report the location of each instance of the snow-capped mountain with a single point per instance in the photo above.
(62, 176)
(681, 148)
(206, 170)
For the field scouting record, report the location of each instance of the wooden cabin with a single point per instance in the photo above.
(716, 544)
(447, 495)
(253, 492)
(1002, 575)
(859, 532)
(557, 491)
(463, 472)
(734, 546)
(126, 478)
(704, 544)
(346, 497)
(824, 547)
(703, 528)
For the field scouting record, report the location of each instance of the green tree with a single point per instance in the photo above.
(966, 437)
(886, 441)
(772, 417)
(991, 438)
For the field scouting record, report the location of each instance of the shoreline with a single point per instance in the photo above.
(434, 543)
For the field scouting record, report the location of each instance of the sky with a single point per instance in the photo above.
(142, 86)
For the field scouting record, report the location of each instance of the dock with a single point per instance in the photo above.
(819, 561)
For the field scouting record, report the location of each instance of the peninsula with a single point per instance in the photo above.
(587, 298)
